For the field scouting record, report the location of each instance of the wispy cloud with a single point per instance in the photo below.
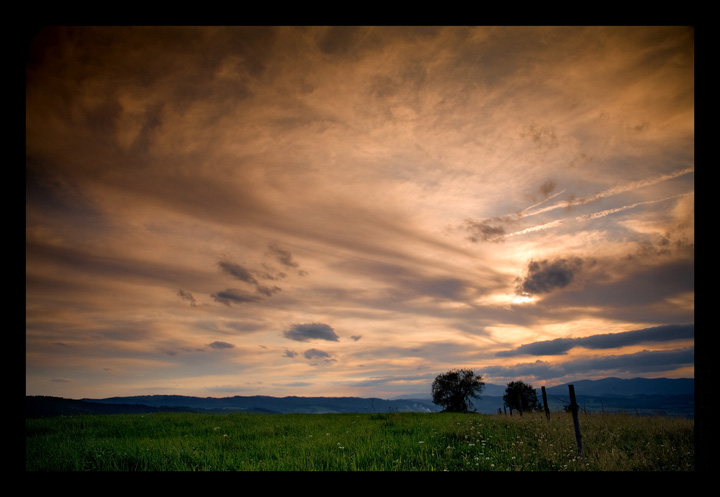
(383, 191)
(634, 185)
(186, 296)
(494, 230)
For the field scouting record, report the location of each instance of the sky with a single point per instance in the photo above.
(352, 211)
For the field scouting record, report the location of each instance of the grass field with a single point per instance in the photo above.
(357, 442)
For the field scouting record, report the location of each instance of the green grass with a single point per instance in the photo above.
(357, 442)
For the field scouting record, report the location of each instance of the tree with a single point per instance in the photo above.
(452, 389)
(521, 397)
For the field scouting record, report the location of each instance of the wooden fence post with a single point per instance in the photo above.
(547, 409)
(576, 422)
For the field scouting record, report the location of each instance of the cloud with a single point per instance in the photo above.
(643, 362)
(244, 274)
(614, 191)
(545, 276)
(543, 136)
(186, 296)
(248, 326)
(493, 230)
(317, 354)
(237, 271)
(547, 187)
(311, 331)
(283, 256)
(234, 296)
(267, 291)
(561, 346)
(268, 275)
(483, 230)
(272, 172)
(221, 345)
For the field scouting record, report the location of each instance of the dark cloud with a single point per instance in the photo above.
(545, 276)
(561, 346)
(237, 271)
(244, 274)
(186, 296)
(633, 291)
(646, 361)
(290, 353)
(221, 345)
(234, 296)
(311, 331)
(547, 187)
(657, 334)
(484, 231)
(316, 354)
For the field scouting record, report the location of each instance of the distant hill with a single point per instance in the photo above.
(290, 404)
(639, 395)
(635, 386)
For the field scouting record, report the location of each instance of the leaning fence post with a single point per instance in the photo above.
(547, 409)
(576, 422)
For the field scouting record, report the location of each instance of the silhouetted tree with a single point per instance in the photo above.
(521, 397)
(452, 389)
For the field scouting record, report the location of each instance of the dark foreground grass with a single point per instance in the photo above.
(357, 442)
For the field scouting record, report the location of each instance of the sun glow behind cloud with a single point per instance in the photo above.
(353, 210)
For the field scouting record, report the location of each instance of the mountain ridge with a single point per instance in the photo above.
(662, 395)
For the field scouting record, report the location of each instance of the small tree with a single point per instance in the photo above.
(521, 397)
(452, 389)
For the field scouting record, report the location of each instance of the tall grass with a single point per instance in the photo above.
(357, 442)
